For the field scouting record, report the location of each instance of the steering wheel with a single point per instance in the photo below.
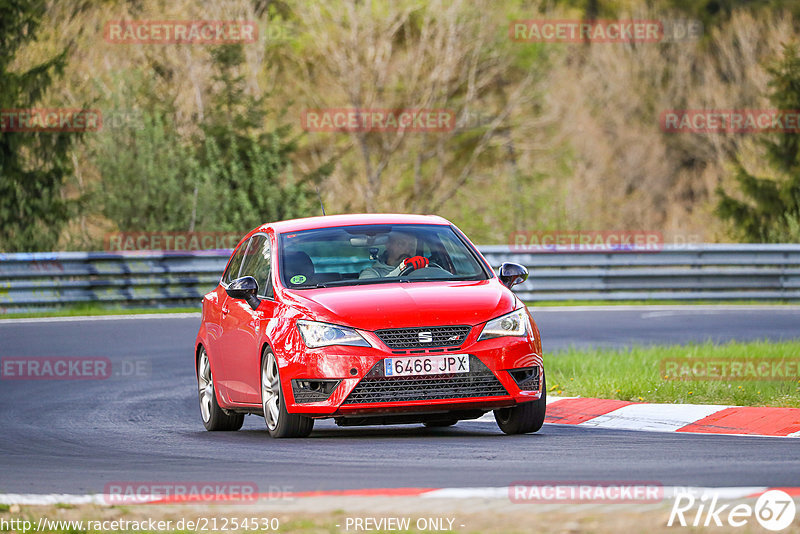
(410, 268)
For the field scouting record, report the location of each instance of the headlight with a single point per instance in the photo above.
(322, 334)
(511, 324)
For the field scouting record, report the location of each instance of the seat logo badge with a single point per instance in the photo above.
(425, 337)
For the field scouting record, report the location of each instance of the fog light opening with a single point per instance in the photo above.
(313, 390)
(527, 378)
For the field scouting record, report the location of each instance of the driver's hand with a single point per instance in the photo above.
(418, 262)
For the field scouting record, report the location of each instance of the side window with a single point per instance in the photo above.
(257, 263)
(232, 272)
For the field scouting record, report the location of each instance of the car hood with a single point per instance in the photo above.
(372, 307)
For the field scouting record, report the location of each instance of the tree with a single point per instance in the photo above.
(249, 168)
(232, 175)
(146, 176)
(411, 55)
(771, 205)
(33, 165)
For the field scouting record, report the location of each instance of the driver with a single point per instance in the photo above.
(399, 254)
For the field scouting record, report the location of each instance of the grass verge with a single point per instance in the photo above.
(680, 373)
(76, 311)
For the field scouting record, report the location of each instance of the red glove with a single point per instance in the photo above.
(418, 262)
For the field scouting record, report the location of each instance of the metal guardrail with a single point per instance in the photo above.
(709, 272)
(48, 280)
(706, 272)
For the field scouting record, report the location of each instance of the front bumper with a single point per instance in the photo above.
(350, 381)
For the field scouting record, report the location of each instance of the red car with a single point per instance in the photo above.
(367, 319)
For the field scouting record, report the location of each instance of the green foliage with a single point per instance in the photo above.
(788, 233)
(231, 168)
(710, 12)
(147, 173)
(232, 176)
(33, 165)
(772, 205)
(716, 12)
(249, 169)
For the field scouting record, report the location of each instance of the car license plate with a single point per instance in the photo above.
(427, 365)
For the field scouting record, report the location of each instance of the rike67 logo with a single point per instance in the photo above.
(774, 510)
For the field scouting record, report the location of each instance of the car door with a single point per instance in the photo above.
(242, 325)
(213, 306)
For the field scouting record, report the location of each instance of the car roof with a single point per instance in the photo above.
(328, 221)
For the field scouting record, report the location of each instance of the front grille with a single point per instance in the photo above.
(374, 387)
(419, 338)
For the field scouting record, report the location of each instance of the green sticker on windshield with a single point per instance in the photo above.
(298, 279)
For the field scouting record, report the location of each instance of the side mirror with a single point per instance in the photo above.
(512, 274)
(244, 288)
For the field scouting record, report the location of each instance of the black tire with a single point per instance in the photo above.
(280, 423)
(214, 418)
(523, 418)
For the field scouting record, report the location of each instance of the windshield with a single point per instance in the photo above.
(373, 254)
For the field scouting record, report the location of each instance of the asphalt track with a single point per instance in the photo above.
(78, 436)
